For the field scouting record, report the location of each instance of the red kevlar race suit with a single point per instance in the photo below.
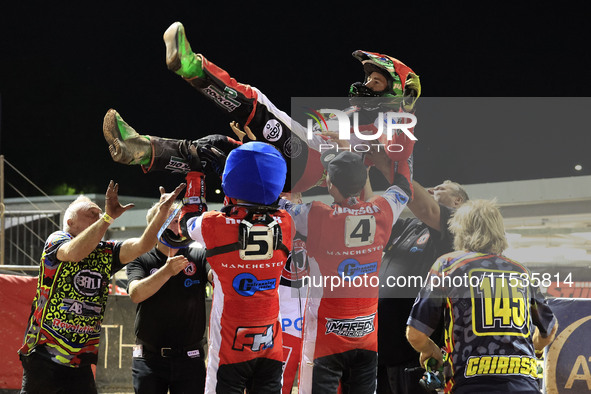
(345, 244)
(250, 107)
(245, 347)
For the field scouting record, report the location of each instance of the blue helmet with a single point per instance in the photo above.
(254, 172)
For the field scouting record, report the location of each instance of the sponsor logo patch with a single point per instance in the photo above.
(88, 282)
(81, 308)
(190, 269)
(297, 264)
(350, 268)
(351, 328)
(247, 284)
(255, 338)
(177, 165)
(401, 197)
(286, 323)
(501, 365)
(223, 99)
(272, 130)
(423, 239)
(191, 282)
(58, 324)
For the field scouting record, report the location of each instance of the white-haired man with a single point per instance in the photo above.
(63, 333)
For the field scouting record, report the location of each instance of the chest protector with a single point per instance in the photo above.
(255, 231)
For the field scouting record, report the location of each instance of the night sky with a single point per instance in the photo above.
(63, 67)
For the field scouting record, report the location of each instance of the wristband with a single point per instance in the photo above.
(193, 200)
(107, 218)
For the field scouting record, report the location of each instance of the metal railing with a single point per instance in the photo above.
(23, 232)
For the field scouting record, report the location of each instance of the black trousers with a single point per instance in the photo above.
(257, 376)
(43, 376)
(355, 370)
(154, 374)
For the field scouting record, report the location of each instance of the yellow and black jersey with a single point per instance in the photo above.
(491, 306)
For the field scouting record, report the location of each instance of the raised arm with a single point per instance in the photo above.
(85, 242)
(383, 163)
(424, 207)
(422, 204)
(398, 173)
(135, 247)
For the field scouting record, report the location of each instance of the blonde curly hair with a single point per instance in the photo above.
(478, 226)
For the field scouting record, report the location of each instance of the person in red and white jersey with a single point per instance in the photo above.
(344, 244)
(247, 246)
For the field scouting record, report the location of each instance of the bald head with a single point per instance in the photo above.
(449, 194)
(80, 214)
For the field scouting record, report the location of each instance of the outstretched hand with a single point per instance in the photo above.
(379, 157)
(112, 206)
(334, 137)
(167, 199)
(241, 134)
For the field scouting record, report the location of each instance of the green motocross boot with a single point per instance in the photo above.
(179, 56)
(125, 144)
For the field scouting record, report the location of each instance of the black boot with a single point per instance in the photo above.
(178, 156)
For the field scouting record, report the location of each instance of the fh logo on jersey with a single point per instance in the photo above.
(255, 338)
(351, 328)
(386, 125)
(247, 284)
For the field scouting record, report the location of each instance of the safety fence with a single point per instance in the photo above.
(23, 229)
(25, 233)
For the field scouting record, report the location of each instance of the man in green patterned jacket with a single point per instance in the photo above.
(63, 332)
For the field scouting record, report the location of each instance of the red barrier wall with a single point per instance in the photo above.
(16, 297)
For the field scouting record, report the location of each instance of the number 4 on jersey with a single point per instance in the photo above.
(359, 230)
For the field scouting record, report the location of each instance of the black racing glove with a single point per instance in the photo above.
(213, 158)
